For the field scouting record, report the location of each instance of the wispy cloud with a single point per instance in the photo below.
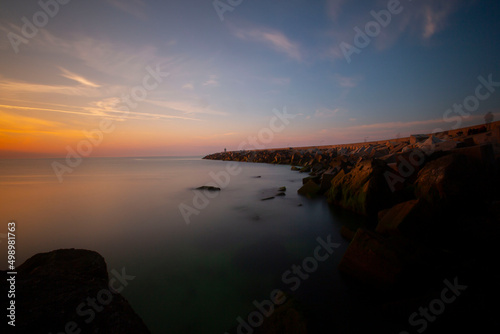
(212, 81)
(18, 86)
(275, 39)
(333, 8)
(347, 82)
(188, 86)
(186, 107)
(435, 17)
(326, 112)
(133, 7)
(77, 78)
(422, 20)
(114, 59)
(108, 108)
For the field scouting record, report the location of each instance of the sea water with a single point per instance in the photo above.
(193, 273)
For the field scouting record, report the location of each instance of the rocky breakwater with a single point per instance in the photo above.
(69, 291)
(432, 204)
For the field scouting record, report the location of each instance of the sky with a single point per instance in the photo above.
(177, 78)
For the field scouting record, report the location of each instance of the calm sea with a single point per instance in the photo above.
(189, 278)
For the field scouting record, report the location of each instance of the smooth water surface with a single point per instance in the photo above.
(189, 278)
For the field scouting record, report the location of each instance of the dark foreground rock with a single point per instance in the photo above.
(69, 291)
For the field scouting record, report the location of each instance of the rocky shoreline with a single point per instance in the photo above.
(433, 206)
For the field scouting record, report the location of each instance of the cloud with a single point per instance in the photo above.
(347, 82)
(325, 112)
(108, 108)
(435, 17)
(333, 8)
(272, 38)
(186, 107)
(109, 57)
(19, 86)
(188, 86)
(131, 7)
(212, 81)
(422, 20)
(28, 123)
(77, 78)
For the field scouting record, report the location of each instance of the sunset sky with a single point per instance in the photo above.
(230, 67)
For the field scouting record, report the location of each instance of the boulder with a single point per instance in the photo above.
(490, 137)
(417, 138)
(310, 189)
(305, 169)
(452, 180)
(363, 190)
(315, 178)
(347, 233)
(370, 260)
(379, 152)
(326, 179)
(50, 287)
(409, 218)
(483, 154)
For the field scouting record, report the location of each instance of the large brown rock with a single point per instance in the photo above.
(452, 180)
(327, 177)
(310, 189)
(363, 190)
(53, 291)
(413, 219)
(370, 260)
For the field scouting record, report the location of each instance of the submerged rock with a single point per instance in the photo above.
(208, 188)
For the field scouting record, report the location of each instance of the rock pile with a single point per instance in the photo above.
(433, 202)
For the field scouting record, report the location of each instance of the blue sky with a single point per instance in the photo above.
(227, 76)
